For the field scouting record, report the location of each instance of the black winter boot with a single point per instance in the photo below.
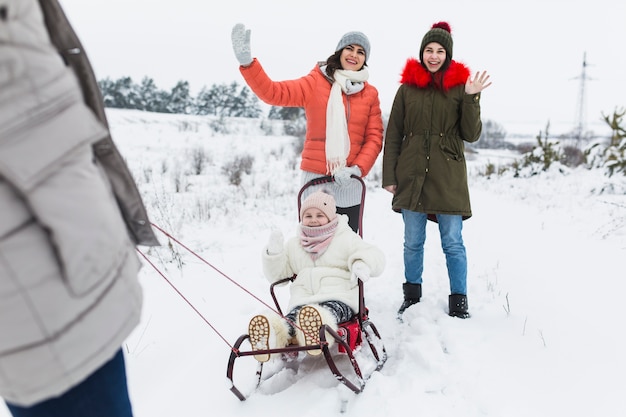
(457, 304)
(412, 295)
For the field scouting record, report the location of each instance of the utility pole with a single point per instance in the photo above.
(581, 107)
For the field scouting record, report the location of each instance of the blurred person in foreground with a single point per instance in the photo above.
(71, 216)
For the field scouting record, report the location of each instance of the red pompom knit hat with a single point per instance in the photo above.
(441, 33)
(322, 201)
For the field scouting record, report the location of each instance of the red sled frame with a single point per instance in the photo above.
(348, 337)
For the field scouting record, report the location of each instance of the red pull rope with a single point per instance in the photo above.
(184, 298)
(218, 271)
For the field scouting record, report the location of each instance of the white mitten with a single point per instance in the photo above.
(240, 37)
(275, 244)
(361, 271)
(343, 176)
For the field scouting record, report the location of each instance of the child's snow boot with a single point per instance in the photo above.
(259, 332)
(458, 306)
(265, 332)
(310, 319)
(412, 295)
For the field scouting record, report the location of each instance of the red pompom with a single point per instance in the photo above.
(442, 25)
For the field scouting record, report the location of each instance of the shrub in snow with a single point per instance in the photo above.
(235, 169)
(611, 157)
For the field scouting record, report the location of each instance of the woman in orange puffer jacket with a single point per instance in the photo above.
(344, 133)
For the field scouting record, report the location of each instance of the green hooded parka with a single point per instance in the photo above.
(424, 151)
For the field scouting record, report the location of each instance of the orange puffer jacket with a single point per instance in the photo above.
(365, 124)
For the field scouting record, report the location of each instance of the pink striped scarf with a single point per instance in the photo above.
(315, 240)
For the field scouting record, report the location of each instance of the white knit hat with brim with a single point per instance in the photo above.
(322, 201)
(354, 38)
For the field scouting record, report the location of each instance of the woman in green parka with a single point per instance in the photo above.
(436, 109)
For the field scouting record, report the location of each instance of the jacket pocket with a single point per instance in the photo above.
(76, 205)
(452, 147)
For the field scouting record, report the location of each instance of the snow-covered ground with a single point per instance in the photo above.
(546, 276)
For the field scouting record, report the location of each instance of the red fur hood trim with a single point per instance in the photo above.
(416, 75)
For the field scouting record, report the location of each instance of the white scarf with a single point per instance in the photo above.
(337, 138)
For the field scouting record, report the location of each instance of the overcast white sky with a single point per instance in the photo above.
(532, 49)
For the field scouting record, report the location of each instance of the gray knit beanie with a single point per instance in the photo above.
(356, 38)
(440, 33)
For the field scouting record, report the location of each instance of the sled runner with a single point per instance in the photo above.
(348, 339)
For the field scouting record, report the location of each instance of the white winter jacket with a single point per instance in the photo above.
(69, 294)
(328, 277)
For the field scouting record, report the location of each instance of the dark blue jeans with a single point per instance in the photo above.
(103, 394)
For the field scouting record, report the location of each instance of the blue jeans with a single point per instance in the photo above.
(103, 394)
(450, 230)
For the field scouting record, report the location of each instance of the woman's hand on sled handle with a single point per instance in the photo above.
(344, 175)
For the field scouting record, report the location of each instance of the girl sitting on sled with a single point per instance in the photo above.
(328, 258)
